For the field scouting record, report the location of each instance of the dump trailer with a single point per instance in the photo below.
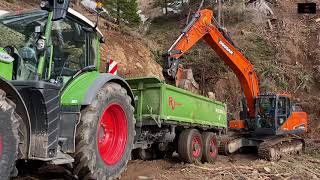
(172, 119)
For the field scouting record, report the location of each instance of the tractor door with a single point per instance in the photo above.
(74, 48)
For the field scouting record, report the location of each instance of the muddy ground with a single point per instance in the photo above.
(243, 165)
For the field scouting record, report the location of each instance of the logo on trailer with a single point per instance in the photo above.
(226, 47)
(173, 104)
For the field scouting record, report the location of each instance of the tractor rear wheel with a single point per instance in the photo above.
(210, 147)
(190, 146)
(9, 137)
(105, 135)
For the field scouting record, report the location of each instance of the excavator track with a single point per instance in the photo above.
(224, 141)
(274, 149)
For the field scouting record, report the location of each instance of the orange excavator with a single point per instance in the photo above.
(270, 122)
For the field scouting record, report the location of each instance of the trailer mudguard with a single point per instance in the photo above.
(83, 88)
(21, 110)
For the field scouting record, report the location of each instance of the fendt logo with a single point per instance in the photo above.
(226, 47)
(173, 104)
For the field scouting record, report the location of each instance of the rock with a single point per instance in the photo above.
(244, 32)
(267, 169)
(212, 95)
(143, 177)
(139, 65)
(255, 174)
(185, 80)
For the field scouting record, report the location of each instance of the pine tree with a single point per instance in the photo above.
(123, 10)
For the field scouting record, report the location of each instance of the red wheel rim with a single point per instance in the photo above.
(112, 134)
(1, 145)
(213, 148)
(196, 147)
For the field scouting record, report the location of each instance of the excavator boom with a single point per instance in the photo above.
(203, 26)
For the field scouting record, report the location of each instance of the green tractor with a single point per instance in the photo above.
(55, 105)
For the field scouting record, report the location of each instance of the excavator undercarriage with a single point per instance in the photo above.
(269, 148)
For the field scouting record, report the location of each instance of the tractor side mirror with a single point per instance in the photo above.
(59, 8)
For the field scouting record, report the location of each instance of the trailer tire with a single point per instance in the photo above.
(210, 147)
(9, 137)
(190, 146)
(105, 134)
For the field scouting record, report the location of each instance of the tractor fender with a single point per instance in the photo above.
(21, 108)
(102, 79)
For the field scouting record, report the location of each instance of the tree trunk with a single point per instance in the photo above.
(219, 12)
(166, 6)
(118, 12)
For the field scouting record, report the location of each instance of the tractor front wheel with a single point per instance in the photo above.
(9, 137)
(105, 135)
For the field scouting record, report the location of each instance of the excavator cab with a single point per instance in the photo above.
(274, 113)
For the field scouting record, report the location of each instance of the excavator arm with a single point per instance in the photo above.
(204, 27)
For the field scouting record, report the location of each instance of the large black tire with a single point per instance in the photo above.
(9, 137)
(89, 163)
(188, 149)
(210, 147)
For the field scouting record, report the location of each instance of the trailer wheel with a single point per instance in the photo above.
(9, 137)
(105, 135)
(190, 146)
(210, 147)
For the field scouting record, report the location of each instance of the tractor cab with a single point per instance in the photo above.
(47, 45)
(272, 111)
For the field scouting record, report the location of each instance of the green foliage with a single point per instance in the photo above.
(123, 10)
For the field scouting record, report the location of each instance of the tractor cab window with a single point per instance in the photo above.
(69, 47)
(266, 109)
(18, 38)
(72, 49)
